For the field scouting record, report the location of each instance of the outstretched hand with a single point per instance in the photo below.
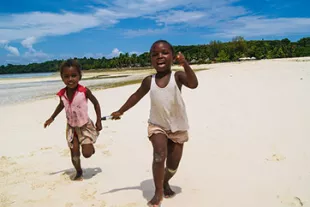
(116, 115)
(48, 122)
(180, 59)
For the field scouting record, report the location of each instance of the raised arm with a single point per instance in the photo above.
(58, 109)
(96, 104)
(188, 77)
(134, 98)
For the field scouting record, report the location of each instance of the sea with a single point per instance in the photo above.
(25, 75)
(15, 89)
(18, 88)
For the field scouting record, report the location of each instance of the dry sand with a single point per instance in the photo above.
(249, 145)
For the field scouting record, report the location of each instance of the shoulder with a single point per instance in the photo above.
(148, 78)
(145, 85)
(87, 92)
(179, 75)
(61, 92)
(82, 89)
(146, 82)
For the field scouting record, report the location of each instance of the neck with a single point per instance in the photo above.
(72, 89)
(162, 74)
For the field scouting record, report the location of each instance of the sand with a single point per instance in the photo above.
(249, 145)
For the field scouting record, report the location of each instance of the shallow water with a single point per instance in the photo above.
(12, 93)
(25, 75)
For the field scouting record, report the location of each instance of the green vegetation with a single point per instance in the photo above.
(215, 51)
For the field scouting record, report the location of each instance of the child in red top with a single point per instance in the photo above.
(80, 128)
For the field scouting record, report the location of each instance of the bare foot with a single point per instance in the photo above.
(156, 200)
(168, 193)
(78, 176)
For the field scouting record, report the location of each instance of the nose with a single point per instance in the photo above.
(70, 78)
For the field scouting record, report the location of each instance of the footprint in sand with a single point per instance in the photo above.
(68, 204)
(52, 186)
(31, 154)
(291, 201)
(35, 186)
(88, 194)
(66, 176)
(276, 157)
(106, 153)
(103, 204)
(4, 173)
(8, 167)
(5, 200)
(100, 146)
(46, 148)
(6, 162)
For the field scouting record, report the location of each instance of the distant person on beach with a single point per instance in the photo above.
(80, 128)
(168, 123)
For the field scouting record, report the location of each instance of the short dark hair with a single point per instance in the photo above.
(71, 63)
(163, 41)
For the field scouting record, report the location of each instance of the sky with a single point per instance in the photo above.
(37, 30)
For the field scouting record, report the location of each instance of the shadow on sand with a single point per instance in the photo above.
(147, 188)
(88, 173)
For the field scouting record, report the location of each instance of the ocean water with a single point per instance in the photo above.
(25, 75)
(17, 92)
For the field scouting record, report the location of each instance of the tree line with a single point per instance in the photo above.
(215, 51)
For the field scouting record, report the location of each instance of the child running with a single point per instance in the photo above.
(168, 123)
(80, 128)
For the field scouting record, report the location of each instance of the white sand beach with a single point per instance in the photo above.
(249, 145)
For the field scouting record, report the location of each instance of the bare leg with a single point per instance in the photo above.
(75, 158)
(159, 142)
(174, 156)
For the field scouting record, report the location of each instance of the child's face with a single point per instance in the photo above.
(70, 77)
(161, 57)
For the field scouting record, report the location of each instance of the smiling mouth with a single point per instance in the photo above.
(161, 64)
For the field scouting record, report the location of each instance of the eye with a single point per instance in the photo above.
(74, 76)
(66, 76)
(154, 54)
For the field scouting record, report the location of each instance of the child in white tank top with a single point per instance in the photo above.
(168, 123)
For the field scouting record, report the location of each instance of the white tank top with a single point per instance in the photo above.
(167, 106)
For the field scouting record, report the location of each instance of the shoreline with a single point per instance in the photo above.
(94, 80)
(92, 73)
(102, 79)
